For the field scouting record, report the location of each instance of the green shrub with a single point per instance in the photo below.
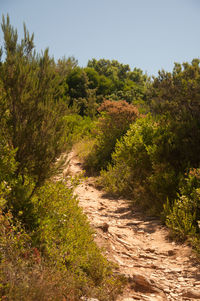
(66, 237)
(57, 261)
(131, 163)
(26, 275)
(77, 127)
(141, 168)
(116, 116)
(31, 97)
(63, 229)
(183, 216)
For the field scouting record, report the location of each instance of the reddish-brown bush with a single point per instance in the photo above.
(120, 113)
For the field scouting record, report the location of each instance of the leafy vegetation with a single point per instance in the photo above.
(141, 135)
(116, 116)
(156, 162)
(47, 250)
(55, 269)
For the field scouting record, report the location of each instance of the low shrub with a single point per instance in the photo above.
(59, 259)
(140, 167)
(77, 127)
(27, 275)
(183, 215)
(116, 116)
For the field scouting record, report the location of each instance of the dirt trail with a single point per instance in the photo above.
(156, 268)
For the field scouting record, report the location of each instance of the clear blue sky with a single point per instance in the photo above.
(148, 34)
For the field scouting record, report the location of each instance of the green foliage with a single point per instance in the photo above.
(82, 85)
(8, 166)
(141, 169)
(62, 224)
(150, 161)
(66, 237)
(131, 163)
(116, 81)
(178, 92)
(65, 66)
(77, 127)
(88, 87)
(93, 77)
(58, 260)
(47, 250)
(115, 119)
(27, 274)
(29, 90)
(183, 216)
(78, 83)
(176, 96)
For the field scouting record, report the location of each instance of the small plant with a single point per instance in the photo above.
(183, 216)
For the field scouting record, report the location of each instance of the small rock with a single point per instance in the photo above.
(153, 266)
(147, 256)
(191, 269)
(167, 271)
(181, 279)
(150, 250)
(104, 227)
(171, 252)
(190, 293)
(140, 232)
(176, 270)
(119, 260)
(166, 290)
(134, 223)
(113, 247)
(123, 242)
(144, 284)
(135, 297)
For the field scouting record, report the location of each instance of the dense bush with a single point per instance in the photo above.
(176, 96)
(116, 116)
(183, 216)
(59, 259)
(141, 169)
(32, 126)
(77, 128)
(64, 229)
(30, 96)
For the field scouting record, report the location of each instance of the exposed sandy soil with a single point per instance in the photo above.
(157, 268)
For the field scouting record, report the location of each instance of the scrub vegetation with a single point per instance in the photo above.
(140, 135)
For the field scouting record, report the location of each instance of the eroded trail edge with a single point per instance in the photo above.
(156, 268)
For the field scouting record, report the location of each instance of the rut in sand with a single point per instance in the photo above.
(156, 268)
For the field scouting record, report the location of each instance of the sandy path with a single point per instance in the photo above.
(156, 268)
